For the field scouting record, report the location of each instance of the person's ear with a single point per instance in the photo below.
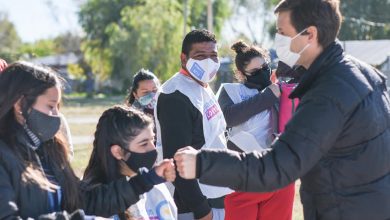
(117, 152)
(18, 106)
(183, 59)
(18, 111)
(241, 76)
(312, 32)
(135, 95)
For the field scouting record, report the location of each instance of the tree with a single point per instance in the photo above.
(365, 20)
(40, 48)
(198, 14)
(126, 35)
(96, 15)
(68, 43)
(362, 20)
(9, 39)
(142, 39)
(251, 19)
(65, 43)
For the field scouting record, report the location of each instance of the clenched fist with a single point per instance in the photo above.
(166, 170)
(186, 162)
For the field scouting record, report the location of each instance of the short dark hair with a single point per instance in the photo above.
(244, 55)
(141, 75)
(325, 15)
(196, 36)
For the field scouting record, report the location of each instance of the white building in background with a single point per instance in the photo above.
(374, 52)
(60, 64)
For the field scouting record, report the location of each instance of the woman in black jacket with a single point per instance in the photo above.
(35, 173)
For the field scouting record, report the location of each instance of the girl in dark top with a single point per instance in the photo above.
(124, 143)
(250, 110)
(143, 90)
(35, 174)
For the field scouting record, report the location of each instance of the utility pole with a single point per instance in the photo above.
(185, 5)
(210, 15)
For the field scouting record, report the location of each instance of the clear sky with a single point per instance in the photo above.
(37, 19)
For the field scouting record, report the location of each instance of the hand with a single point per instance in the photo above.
(166, 170)
(208, 216)
(3, 65)
(275, 89)
(274, 78)
(186, 162)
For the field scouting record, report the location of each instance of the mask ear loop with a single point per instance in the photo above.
(303, 31)
(304, 48)
(308, 45)
(126, 152)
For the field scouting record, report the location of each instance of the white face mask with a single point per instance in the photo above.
(283, 45)
(203, 70)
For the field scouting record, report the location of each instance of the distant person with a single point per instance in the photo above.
(337, 142)
(250, 108)
(188, 113)
(124, 143)
(143, 91)
(35, 173)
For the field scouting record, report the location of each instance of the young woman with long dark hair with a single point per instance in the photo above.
(124, 144)
(35, 174)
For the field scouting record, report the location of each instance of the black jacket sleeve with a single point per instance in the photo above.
(8, 208)
(109, 199)
(236, 114)
(178, 118)
(101, 199)
(308, 136)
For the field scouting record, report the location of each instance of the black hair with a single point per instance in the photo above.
(141, 75)
(244, 55)
(118, 125)
(196, 36)
(25, 82)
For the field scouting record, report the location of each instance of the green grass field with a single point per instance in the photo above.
(82, 115)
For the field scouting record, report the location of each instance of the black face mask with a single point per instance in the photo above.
(42, 125)
(261, 77)
(138, 160)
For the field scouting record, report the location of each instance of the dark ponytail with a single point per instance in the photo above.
(239, 47)
(244, 55)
